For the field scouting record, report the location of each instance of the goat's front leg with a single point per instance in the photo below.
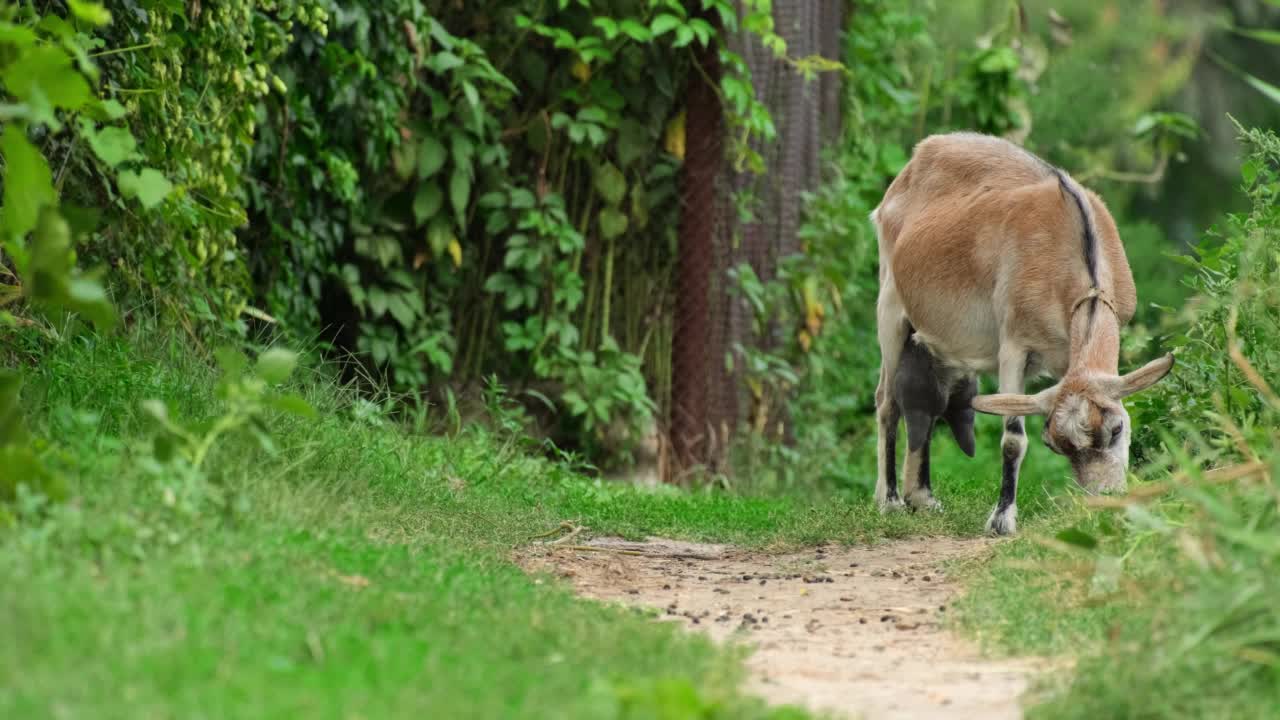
(916, 490)
(892, 332)
(1013, 446)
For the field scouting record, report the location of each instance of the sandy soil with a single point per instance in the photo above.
(856, 631)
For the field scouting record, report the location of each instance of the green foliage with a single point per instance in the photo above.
(26, 484)
(190, 78)
(373, 167)
(1235, 276)
(455, 227)
(247, 399)
(47, 73)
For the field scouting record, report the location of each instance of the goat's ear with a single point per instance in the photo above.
(1013, 405)
(1142, 378)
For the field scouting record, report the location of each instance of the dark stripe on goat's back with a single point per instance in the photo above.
(1090, 239)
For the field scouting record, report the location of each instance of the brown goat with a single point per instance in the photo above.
(999, 262)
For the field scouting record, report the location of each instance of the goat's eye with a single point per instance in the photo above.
(1116, 433)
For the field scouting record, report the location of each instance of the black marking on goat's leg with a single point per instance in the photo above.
(890, 430)
(1012, 453)
(891, 462)
(1004, 518)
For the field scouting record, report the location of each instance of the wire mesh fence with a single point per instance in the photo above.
(709, 399)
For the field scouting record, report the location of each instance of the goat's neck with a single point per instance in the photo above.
(1095, 342)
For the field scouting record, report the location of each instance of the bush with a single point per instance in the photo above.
(1236, 275)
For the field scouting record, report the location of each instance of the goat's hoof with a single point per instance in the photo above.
(891, 505)
(1003, 522)
(924, 500)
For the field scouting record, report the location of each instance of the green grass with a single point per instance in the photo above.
(359, 570)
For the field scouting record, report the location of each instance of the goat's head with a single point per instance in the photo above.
(1085, 420)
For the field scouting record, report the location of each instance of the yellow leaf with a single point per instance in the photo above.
(805, 340)
(581, 70)
(757, 390)
(813, 308)
(455, 250)
(673, 139)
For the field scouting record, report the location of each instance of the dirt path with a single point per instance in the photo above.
(857, 631)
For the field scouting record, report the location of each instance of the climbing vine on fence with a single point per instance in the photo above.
(494, 190)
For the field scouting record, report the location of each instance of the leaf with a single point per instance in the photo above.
(998, 60)
(1270, 91)
(703, 30)
(639, 206)
(472, 95)
(431, 156)
(1249, 171)
(1271, 37)
(673, 136)
(443, 62)
(90, 12)
(232, 361)
(401, 310)
(664, 24)
(635, 30)
(427, 202)
(165, 443)
(112, 110)
(522, 199)
(1144, 124)
(608, 26)
(28, 183)
(613, 223)
(634, 142)
(610, 183)
(276, 365)
(377, 301)
(44, 74)
(463, 149)
(87, 296)
(684, 36)
(460, 194)
(148, 186)
(455, 251)
(1079, 538)
(439, 235)
(593, 114)
(404, 159)
(112, 145)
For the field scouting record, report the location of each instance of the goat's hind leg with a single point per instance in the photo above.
(892, 331)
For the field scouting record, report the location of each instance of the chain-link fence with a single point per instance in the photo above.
(709, 398)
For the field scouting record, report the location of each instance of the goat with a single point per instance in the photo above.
(998, 261)
(927, 392)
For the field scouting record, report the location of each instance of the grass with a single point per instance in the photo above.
(358, 570)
